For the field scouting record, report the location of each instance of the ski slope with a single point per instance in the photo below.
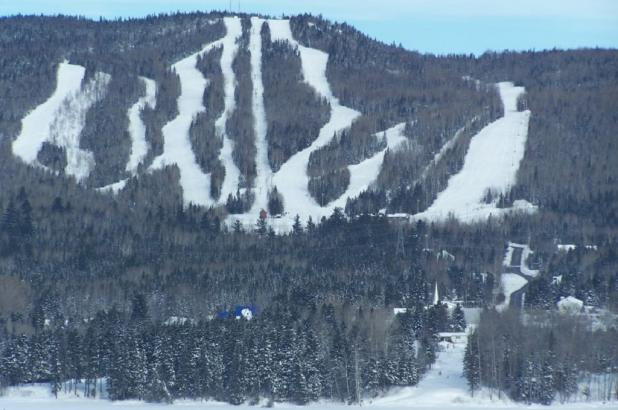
(510, 283)
(60, 120)
(292, 179)
(263, 171)
(137, 132)
(137, 129)
(230, 49)
(177, 149)
(491, 163)
(365, 173)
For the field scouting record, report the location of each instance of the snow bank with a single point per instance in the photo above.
(60, 120)
(177, 149)
(491, 163)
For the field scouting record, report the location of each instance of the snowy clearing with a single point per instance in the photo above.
(177, 149)
(60, 120)
(490, 164)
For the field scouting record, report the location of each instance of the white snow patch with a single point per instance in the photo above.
(60, 120)
(137, 129)
(491, 163)
(510, 283)
(177, 148)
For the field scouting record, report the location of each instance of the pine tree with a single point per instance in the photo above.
(472, 363)
(458, 320)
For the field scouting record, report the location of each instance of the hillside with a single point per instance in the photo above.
(137, 157)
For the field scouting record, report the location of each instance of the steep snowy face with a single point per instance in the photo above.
(490, 165)
(59, 120)
(177, 148)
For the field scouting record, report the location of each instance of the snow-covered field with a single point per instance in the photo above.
(490, 164)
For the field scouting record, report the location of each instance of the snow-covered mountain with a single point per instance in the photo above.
(353, 143)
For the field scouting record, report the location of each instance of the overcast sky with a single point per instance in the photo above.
(437, 26)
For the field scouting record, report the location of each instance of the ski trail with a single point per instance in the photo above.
(230, 49)
(491, 163)
(264, 173)
(363, 174)
(60, 120)
(292, 179)
(137, 129)
(177, 149)
(35, 127)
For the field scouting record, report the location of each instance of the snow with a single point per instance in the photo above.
(443, 387)
(566, 247)
(264, 173)
(230, 49)
(177, 149)
(60, 120)
(510, 283)
(570, 305)
(113, 188)
(524, 269)
(35, 127)
(365, 173)
(491, 163)
(443, 150)
(137, 129)
(292, 180)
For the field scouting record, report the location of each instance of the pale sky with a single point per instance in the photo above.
(436, 26)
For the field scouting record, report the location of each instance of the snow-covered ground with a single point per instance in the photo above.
(60, 120)
(491, 163)
(177, 149)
